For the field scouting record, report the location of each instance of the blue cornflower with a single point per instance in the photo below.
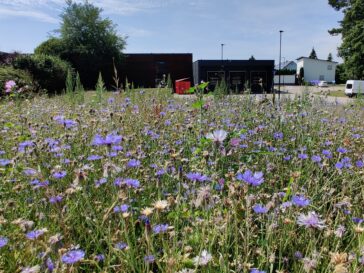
(302, 156)
(278, 135)
(117, 148)
(160, 172)
(298, 255)
(195, 176)
(68, 123)
(344, 163)
(327, 153)
(287, 158)
(121, 245)
(357, 220)
(4, 162)
(100, 257)
(38, 184)
(25, 144)
(134, 183)
(254, 179)
(149, 259)
(34, 234)
(73, 256)
(316, 158)
(300, 201)
(59, 175)
(260, 209)
(94, 157)
(360, 164)
(50, 265)
(3, 241)
(30, 172)
(255, 270)
(122, 208)
(110, 139)
(55, 199)
(341, 150)
(100, 182)
(160, 228)
(133, 163)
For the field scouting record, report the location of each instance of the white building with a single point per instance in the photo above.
(316, 70)
(289, 65)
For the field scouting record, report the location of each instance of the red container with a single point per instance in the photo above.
(182, 85)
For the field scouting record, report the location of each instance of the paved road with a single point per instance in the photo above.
(293, 91)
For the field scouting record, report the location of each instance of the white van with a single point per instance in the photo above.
(354, 87)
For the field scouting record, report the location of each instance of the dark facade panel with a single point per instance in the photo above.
(147, 70)
(238, 74)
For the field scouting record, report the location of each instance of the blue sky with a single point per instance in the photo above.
(247, 27)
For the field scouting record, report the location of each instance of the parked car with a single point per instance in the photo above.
(354, 87)
(322, 84)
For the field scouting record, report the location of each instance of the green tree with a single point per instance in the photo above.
(53, 46)
(352, 33)
(86, 40)
(329, 57)
(251, 58)
(313, 54)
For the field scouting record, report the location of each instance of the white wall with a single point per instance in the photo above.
(317, 70)
(285, 79)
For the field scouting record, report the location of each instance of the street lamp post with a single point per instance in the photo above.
(279, 76)
(222, 52)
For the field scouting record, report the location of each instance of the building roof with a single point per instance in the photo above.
(316, 60)
(284, 64)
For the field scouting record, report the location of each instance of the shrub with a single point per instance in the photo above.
(50, 72)
(23, 80)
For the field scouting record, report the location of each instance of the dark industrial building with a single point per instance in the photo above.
(238, 74)
(148, 70)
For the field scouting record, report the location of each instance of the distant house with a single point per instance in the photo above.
(316, 70)
(288, 65)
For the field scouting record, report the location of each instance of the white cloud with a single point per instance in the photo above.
(7, 12)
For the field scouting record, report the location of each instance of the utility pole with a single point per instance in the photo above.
(279, 76)
(222, 52)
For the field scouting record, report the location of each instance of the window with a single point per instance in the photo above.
(329, 67)
(349, 86)
(322, 77)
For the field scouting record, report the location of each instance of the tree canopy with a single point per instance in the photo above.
(88, 41)
(352, 32)
(313, 54)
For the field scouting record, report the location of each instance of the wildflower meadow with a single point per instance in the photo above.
(145, 181)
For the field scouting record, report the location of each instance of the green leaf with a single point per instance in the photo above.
(198, 104)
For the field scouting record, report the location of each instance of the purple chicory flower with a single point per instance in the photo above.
(73, 256)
